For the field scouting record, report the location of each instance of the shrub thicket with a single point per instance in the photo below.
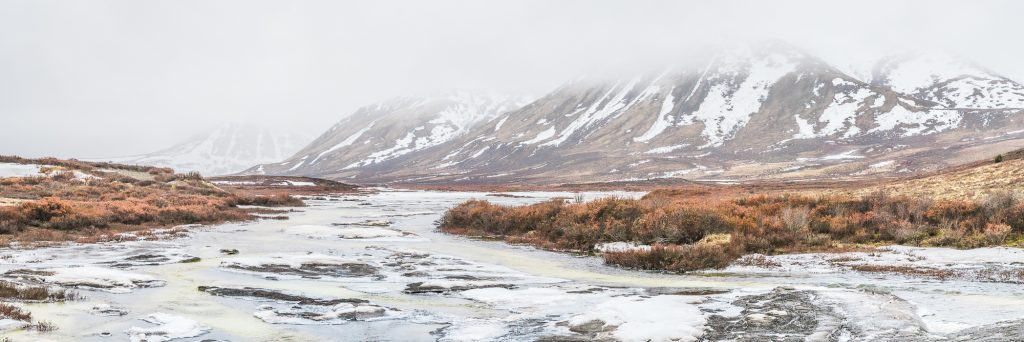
(113, 198)
(674, 225)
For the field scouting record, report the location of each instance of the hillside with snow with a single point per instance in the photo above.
(384, 135)
(751, 111)
(948, 81)
(225, 149)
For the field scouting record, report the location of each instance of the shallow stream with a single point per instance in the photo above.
(371, 267)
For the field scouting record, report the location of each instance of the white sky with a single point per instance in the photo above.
(108, 78)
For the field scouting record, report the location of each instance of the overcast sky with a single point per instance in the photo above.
(111, 78)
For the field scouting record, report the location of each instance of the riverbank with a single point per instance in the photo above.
(373, 267)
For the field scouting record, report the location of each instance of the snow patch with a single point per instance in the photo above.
(841, 112)
(726, 108)
(658, 318)
(168, 327)
(19, 170)
(596, 113)
(662, 122)
(348, 141)
(91, 277)
(916, 123)
(542, 136)
(620, 246)
(666, 149)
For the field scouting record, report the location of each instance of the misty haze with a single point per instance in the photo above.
(511, 171)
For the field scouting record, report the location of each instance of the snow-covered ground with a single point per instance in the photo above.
(18, 170)
(372, 267)
(168, 327)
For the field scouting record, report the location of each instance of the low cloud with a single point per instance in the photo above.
(106, 78)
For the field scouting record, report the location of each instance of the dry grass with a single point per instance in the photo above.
(676, 258)
(971, 183)
(85, 166)
(14, 312)
(58, 206)
(44, 326)
(12, 291)
(275, 200)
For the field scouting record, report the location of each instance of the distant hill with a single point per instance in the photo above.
(223, 150)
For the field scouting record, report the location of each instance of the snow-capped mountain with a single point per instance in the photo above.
(765, 110)
(949, 81)
(223, 150)
(381, 136)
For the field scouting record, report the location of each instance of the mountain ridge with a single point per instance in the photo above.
(769, 110)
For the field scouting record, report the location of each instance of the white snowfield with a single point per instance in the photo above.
(923, 257)
(658, 318)
(938, 256)
(953, 82)
(19, 170)
(8, 170)
(11, 324)
(725, 110)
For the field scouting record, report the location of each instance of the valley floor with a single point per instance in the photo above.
(373, 267)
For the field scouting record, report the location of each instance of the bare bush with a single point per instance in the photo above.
(796, 219)
(14, 312)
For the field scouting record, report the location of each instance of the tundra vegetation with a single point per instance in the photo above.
(682, 230)
(79, 201)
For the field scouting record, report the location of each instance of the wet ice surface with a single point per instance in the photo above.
(371, 267)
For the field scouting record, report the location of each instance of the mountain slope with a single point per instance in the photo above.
(771, 110)
(765, 110)
(381, 136)
(223, 150)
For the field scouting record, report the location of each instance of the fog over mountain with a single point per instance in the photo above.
(154, 73)
(749, 111)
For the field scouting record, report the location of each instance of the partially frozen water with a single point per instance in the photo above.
(372, 267)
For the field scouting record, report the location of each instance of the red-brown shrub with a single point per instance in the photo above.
(759, 224)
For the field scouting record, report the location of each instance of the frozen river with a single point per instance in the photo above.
(372, 267)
